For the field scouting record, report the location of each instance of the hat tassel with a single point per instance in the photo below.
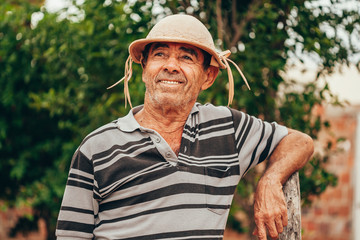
(126, 78)
(224, 57)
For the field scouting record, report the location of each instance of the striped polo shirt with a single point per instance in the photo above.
(125, 182)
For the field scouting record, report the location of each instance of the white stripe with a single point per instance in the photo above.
(243, 133)
(207, 157)
(220, 133)
(78, 217)
(213, 165)
(123, 150)
(118, 157)
(243, 117)
(81, 173)
(162, 222)
(209, 127)
(80, 180)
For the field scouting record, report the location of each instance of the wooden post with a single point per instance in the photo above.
(292, 196)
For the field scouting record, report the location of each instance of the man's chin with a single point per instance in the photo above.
(171, 100)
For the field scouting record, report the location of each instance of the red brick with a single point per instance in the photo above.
(340, 210)
(344, 178)
(318, 211)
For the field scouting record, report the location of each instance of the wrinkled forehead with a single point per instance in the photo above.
(178, 46)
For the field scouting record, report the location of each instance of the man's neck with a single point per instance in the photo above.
(164, 119)
(167, 121)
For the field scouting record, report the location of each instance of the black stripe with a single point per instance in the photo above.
(236, 116)
(174, 189)
(75, 226)
(214, 122)
(209, 131)
(78, 210)
(77, 176)
(170, 235)
(126, 148)
(148, 178)
(212, 146)
(265, 153)
(210, 123)
(117, 151)
(81, 162)
(127, 166)
(213, 171)
(249, 122)
(229, 190)
(254, 152)
(79, 184)
(155, 194)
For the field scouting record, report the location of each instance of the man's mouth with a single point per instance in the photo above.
(170, 82)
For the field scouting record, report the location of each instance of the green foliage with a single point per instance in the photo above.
(53, 80)
(53, 92)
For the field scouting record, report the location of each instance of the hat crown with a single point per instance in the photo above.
(182, 27)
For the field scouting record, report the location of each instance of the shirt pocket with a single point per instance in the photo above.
(219, 189)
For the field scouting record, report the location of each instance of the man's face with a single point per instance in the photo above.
(174, 74)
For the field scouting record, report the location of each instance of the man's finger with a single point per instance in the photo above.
(260, 231)
(279, 224)
(285, 218)
(272, 229)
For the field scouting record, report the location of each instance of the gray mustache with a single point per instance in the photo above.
(171, 76)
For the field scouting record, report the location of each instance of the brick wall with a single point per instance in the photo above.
(8, 220)
(330, 216)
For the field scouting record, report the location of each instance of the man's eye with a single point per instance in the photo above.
(159, 54)
(186, 57)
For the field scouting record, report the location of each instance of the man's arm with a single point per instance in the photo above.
(270, 211)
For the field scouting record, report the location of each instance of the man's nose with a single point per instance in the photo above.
(172, 65)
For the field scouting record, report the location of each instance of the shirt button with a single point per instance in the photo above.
(168, 154)
(157, 140)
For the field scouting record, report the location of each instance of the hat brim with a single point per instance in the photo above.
(137, 47)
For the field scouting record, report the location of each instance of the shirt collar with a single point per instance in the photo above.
(195, 108)
(128, 123)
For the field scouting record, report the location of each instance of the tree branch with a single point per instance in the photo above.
(292, 196)
(239, 28)
(219, 20)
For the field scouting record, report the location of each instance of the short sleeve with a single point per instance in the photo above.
(76, 216)
(255, 139)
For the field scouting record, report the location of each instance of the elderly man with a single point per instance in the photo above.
(169, 169)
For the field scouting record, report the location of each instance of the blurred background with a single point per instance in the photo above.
(301, 58)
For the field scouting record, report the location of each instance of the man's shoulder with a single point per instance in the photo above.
(100, 133)
(211, 111)
(104, 128)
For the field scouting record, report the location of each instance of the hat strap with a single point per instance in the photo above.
(224, 58)
(126, 78)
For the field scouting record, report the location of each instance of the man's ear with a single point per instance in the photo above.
(142, 61)
(212, 73)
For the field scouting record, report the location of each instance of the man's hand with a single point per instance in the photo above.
(269, 209)
(289, 156)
